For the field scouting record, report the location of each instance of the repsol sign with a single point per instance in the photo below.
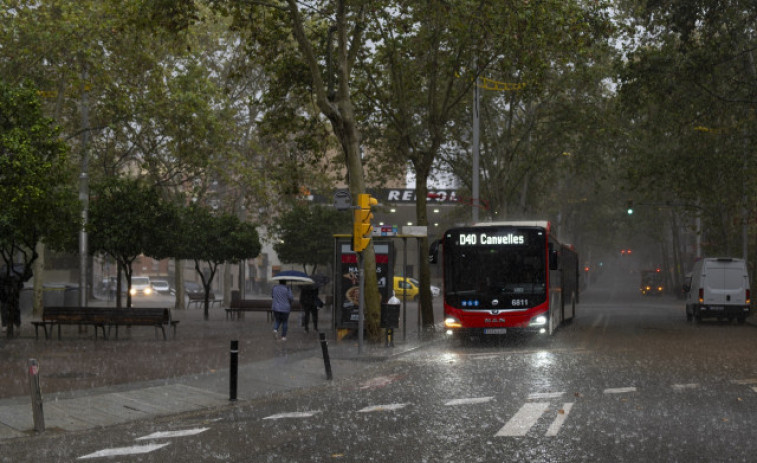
(409, 196)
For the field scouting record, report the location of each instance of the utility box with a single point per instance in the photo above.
(390, 315)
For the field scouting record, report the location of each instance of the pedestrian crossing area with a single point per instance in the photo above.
(550, 409)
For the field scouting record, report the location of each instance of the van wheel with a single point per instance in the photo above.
(689, 316)
(741, 320)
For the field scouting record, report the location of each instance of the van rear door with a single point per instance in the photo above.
(726, 283)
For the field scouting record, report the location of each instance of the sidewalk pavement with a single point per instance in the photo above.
(281, 371)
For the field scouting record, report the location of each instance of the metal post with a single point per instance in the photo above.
(361, 306)
(233, 370)
(84, 191)
(474, 184)
(404, 299)
(325, 350)
(37, 412)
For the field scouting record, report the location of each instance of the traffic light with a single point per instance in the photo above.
(361, 223)
(629, 207)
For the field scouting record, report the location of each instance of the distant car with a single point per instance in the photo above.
(435, 291)
(161, 286)
(196, 291)
(405, 288)
(140, 286)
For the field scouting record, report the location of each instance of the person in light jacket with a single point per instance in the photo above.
(281, 304)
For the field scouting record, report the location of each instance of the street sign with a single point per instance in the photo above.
(409, 230)
(342, 200)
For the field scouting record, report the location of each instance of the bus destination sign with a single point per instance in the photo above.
(484, 239)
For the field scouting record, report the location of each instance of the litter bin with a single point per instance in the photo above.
(71, 296)
(390, 315)
(390, 319)
(53, 295)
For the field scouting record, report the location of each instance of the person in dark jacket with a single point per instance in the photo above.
(310, 303)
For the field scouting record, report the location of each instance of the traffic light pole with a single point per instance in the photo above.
(361, 302)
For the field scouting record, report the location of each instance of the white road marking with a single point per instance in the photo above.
(680, 387)
(379, 381)
(469, 401)
(619, 390)
(279, 416)
(562, 415)
(545, 395)
(173, 434)
(121, 451)
(745, 381)
(382, 408)
(522, 421)
(754, 388)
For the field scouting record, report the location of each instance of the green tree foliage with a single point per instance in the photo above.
(37, 203)
(210, 239)
(428, 57)
(305, 234)
(126, 218)
(689, 89)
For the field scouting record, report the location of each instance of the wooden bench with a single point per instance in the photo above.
(199, 299)
(143, 316)
(102, 317)
(239, 306)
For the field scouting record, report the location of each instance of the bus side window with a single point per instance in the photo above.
(554, 263)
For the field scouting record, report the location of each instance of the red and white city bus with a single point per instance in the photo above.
(507, 275)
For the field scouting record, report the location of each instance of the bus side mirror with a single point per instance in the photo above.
(433, 252)
(554, 263)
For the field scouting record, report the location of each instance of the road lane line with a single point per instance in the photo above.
(545, 395)
(522, 421)
(173, 434)
(619, 390)
(468, 401)
(382, 408)
(123, 451)
(279, 416)
(562, 415)
(745, 381)
(680, 387)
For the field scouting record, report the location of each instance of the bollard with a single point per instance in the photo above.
(37, 413)
(233, 370)
(325, 349)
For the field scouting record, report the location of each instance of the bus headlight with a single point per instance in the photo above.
(452, 322)
(538, 321)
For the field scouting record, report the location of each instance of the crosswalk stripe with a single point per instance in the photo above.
(522, 421)
(562, 415)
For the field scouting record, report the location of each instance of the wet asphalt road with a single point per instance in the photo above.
(628, 380)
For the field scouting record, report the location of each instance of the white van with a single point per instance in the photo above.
(718, 287)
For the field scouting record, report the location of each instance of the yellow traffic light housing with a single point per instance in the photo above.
(361, 223)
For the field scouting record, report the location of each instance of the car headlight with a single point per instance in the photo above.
(148, 291)
(133, 292)
(538, 321)
(452, 322)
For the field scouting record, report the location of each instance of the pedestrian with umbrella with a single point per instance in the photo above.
(282, 298)
(281, 304)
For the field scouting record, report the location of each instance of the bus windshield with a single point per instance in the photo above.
(495, 262)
